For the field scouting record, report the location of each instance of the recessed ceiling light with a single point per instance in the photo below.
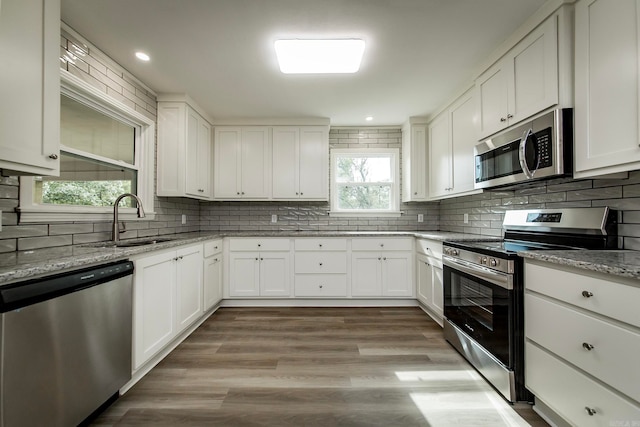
(368, 118)
(142, 56)
(319, 56)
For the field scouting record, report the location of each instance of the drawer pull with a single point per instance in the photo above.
(320, 286)
(587, 346)
(590, 411)
(320, 244)
(587, 294)
(320, 264)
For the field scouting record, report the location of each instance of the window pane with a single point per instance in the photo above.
(85, 182)
(367, 197)
(91, 131)
(363, 169)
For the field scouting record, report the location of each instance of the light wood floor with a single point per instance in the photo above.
(315, 367)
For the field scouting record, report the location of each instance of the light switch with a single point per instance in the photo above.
(466, 218)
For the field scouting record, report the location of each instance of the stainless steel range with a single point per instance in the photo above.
(483, 287)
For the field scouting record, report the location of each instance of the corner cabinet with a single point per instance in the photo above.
(585, 371)
(167, 298)
(242, 163)
(607, 112)
(184, 152)
(414, 160)
(522, 83)
(300, 163)
(30, 87)
(452, 136)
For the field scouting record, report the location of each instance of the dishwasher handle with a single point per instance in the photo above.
(23, 294)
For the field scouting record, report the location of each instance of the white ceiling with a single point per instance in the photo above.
(220, 52)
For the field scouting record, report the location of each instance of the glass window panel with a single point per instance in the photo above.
(85, 182)
(363, 169)
(364, 197)
(91, 131)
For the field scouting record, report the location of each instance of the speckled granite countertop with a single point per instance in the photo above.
(27, 264)
(623, 263)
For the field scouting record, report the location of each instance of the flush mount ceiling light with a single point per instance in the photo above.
(319, 56)
(368, 118)
(142, 56)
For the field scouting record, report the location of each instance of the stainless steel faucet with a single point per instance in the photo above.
(116, 228)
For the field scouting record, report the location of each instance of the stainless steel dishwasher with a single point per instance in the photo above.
(65, 345)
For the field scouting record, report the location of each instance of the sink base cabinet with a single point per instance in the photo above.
(167, 299)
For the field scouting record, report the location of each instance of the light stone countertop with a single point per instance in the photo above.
(22, 265)
(622, 263)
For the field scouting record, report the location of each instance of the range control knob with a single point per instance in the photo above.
(483, 260)
(493, 262)
(455, 252)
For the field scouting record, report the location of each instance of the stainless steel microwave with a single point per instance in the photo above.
(538, 148)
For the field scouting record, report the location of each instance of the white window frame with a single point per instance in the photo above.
(394, 153)
(80, 91)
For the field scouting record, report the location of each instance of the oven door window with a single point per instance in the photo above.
(480, 309)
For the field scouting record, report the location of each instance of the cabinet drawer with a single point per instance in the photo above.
(429, 247)
(321, 244)
(614, 348)
(609, 298)
(321, 262)
(568, 392)
(382, 244)
(212, 248)
(254, 244)
(321, 285)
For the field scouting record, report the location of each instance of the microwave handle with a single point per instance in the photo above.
(522, 153)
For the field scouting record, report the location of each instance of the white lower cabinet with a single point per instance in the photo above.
(259, 268)
(382, 267)
(585, 370)
(167, 299)
(429, 285)
(320, 267)
(212, 289)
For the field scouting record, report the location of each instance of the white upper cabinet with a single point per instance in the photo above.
(300, 163)
(242, 165)
(606, 136)
(522, 83)
(414, 160)
(452, 136)
(30, 87)
(184, 151)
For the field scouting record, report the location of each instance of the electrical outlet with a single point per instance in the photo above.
(420, 217)
(184, 219)
(274, 218)
(466, 218)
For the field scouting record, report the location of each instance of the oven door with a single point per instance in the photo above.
(479, 301)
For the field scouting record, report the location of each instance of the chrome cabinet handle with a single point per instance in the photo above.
(590, 411)
(587, 346)
(509, 116)
(502, 119)
(53, 156)
(587, 294)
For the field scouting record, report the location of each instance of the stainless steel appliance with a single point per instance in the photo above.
(539, 148)
(65, 345)
(484, 287)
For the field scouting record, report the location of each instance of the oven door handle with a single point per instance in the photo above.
(497, 278)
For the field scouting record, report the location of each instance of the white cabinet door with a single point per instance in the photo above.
(154, 302)
(397, 276)
(274, 274)
(189, 285)
(171, 151)
(212, 293)
(424, 280)
(227, 163)
(606, 87)
(463, 138)
(366, 274)
(440, 156)
(255, 163)
(198, 146)
(244, 274)
(285, 161)
(30, 93)
(314, 163)
(437, 284)
(523, 83)
(414, 162)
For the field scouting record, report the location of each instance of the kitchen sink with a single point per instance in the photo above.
(129, 244)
